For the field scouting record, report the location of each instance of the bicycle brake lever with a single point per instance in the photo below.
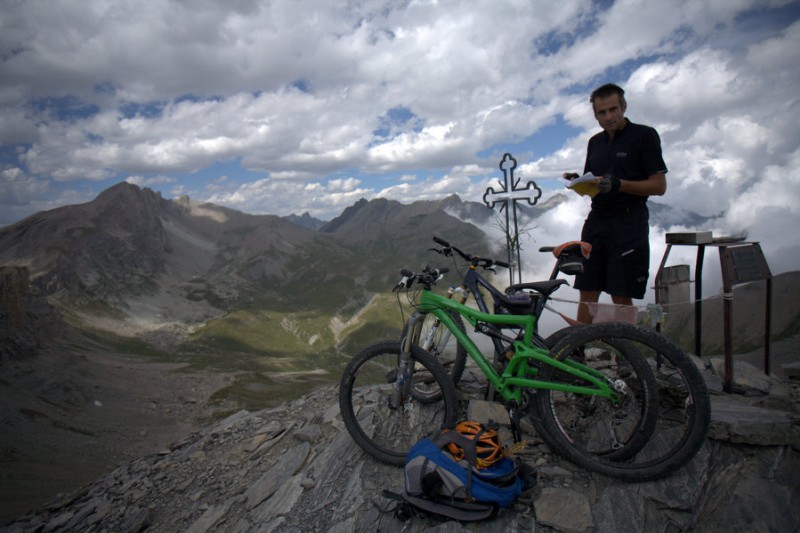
(447, 252)
(404, 283)
(489, 264)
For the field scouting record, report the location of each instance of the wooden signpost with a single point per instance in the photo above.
(741, 262)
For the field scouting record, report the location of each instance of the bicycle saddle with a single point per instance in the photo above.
(545, 288)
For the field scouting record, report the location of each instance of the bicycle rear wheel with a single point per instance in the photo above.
(441, 344)
(615, 430)
(659, 425)
(385, 433)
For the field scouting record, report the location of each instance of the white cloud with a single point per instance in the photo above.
(143, 181)
(296, 92)
(286, 197)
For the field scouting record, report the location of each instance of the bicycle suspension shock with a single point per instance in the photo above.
(402, 382)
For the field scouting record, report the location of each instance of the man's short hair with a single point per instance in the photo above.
(604, 91)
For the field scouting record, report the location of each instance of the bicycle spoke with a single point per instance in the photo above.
(598, 425)
(658, 426)
(386, 433)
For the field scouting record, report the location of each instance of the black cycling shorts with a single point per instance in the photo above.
(620, 260)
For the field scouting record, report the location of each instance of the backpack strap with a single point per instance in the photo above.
(468, 445)
(402, 509)
(452, 436)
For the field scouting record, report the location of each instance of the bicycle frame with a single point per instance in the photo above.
(471, 285)
(514, 378)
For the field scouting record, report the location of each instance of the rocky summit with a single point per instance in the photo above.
(295, 468)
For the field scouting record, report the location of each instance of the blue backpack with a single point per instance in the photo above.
(437, 483)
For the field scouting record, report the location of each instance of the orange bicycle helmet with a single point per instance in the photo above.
(487, 441)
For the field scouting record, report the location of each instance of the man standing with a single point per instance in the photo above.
(627, 159)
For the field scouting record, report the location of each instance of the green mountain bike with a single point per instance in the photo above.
(531, 298)
(614, 398)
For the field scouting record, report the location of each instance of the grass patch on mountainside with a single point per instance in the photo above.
(381, 319)
(261, 390)
(277, 334)
(266, 332)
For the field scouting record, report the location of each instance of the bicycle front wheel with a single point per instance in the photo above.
(387, 433)
(657, 426)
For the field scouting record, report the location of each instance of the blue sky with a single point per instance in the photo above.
(294, 106)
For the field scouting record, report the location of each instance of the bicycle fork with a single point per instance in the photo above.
(430, 338)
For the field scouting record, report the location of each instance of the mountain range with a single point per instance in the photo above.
(131, 263)
(188, 277)
(130, 320)
(183, 277)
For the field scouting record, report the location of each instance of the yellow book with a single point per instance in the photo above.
(586, 185)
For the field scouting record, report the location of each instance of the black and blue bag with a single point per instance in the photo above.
(461, 485)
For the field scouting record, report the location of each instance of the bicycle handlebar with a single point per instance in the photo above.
(473, 260)
(443, 242)
(429, 276)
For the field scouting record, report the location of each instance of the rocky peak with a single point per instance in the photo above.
(127, 190)
(306, 221)
(112, 245)
(128, 208)
(346, 217)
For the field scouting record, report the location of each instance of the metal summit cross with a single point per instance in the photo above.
(510, 193)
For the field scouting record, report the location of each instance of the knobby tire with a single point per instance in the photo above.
(384, 433)
(674, 418)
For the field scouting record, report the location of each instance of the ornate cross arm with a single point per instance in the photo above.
(531, 193)
(509, 190)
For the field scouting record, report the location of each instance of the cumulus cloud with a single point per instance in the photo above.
(321, 103)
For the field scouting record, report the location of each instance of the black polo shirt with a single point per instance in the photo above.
(633, 154)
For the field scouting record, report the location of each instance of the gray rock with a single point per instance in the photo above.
(747, 379)
(272, 479)
(210, 518)
(736, 421)
(311, 433)
(621, 510)
(281, 502)
(564, 509)
(486, 412)
(229, 422)
(791, 370)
